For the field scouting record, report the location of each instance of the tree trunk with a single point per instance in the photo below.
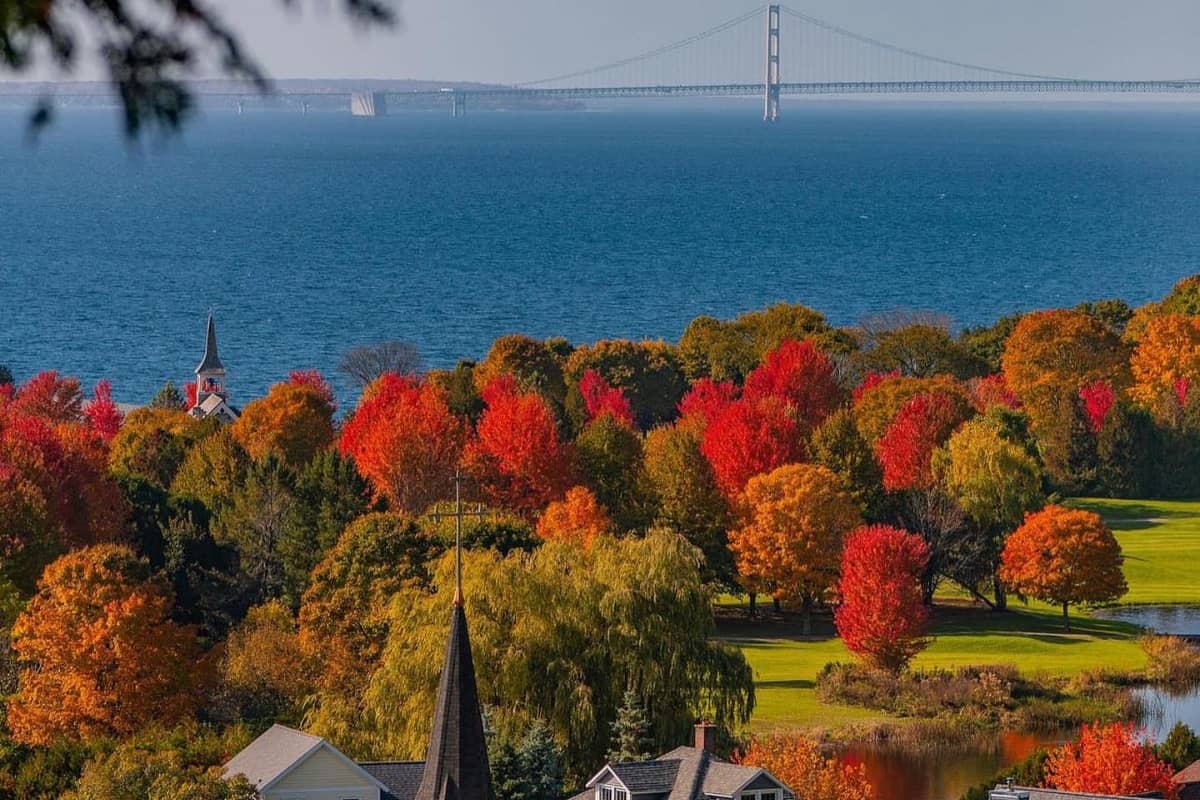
(1001, 596)
(754, 604)
(806, 626)
(778, 605)
(1066, 619)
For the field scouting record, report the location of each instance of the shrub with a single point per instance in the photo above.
(1172, 659)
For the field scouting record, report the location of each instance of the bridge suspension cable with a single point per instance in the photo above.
(904, 51)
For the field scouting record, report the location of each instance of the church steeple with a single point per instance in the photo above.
(211, 361)
(456, 767)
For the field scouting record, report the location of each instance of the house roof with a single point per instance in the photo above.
(271, 755)
(456, 767)
(211, 361)
(402, 778)
(1189, 774)
(1056, 794)
(685, 773)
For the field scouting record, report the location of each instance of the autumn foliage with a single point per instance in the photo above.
(882, 617)
(800, 375)
(920, 427)
(601, 398)
(1098, 398)
(707, 399)
(103, 656)
(1166, 362)
(800, 765)
(517, 455)
(748, 438)
(577, 518)
(293, 422)
(1064, 556)
(405, 441)
(790, 542)
(1109, 760)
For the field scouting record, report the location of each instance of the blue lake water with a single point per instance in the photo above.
(312, 233)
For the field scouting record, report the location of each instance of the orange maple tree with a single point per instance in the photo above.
(517, 455)
(790, 540)
(1064, 556)
(1110, 760)
(577, 518)
(1167, 357)
(102, 656)
(405, 441)
(882, 617)
(800, 765)
(293, 422)
(1052, 352)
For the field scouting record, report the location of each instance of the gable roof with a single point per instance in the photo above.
(685, 773)
(400, 777)
(278, 751)
(272, 754)
(1189, 774)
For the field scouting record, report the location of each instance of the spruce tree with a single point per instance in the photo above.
(541, 764)
(631, 731)
(168, 397)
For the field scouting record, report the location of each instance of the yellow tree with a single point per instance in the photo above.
(1064, 556)
(102, 656)
(293, 422)
(1166, 363)
(794, 521)
(577, 518)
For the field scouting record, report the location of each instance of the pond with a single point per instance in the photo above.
(944, 774)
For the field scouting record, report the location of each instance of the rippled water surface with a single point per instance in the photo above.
(311, 233)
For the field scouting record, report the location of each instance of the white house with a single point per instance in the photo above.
(286, 764)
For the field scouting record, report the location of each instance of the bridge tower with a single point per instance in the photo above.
(771, 85)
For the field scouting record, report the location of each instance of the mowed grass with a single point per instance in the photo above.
(1161, 541)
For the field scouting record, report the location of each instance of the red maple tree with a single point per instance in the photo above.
(1098, 398)
(707, 399)
(802, 376)
(517, 455)
(882, 617)
(102, 413)
(405, 441)
(871, 380)
(748, 438)
(315, 380)
(919, 428)
(992, 390)
(599, 397)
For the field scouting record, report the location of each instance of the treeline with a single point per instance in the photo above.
(159, 569)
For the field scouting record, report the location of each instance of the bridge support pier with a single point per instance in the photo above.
(458, 105)
(773, 81)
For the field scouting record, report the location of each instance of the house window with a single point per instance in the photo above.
(767, 794)
(605, 792)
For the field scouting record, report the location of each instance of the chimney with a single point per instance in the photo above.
(706, 736)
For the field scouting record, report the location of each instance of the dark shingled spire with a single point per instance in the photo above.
(211, 362)
(456, 767)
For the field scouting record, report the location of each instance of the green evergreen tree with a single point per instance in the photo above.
(168, 397)
(1125, 449)
(540, 761)
(631, 731)
(1181, 748)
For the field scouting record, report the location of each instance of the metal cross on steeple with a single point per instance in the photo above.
(478, 512)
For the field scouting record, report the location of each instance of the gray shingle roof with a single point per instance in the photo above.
(400, 777)
(647, 777)
(270, 755)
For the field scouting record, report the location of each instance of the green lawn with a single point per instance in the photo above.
(1161, 541)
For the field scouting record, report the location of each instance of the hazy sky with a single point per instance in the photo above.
(514, 40)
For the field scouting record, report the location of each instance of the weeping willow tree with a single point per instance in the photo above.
(560, 635)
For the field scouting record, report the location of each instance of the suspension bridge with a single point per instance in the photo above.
(769, 52)
(776, 51)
